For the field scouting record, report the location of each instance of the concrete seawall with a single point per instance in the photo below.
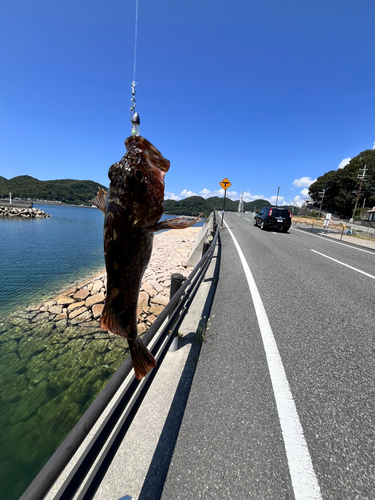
(16, 203)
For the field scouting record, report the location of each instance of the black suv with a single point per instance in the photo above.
(273, 218)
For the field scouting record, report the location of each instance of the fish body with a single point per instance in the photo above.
(132, 207)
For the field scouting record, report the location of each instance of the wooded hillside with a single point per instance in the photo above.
(341, 186)
(195, 205)
(65, 190)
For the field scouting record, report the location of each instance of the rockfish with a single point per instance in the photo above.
(132, 207)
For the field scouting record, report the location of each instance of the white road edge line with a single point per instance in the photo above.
(343, 264)
(333, 241)
(304, 481)
(247, 219)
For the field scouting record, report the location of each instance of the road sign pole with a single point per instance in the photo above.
(222, 215)
(225, 183)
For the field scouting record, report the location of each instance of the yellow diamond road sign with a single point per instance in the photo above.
(225, 184)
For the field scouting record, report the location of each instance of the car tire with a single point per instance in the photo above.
(262, 226)
(255, 222)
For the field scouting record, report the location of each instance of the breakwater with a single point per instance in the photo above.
(55, 359)
(27, 213)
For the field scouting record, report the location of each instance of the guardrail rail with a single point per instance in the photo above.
(122, 413)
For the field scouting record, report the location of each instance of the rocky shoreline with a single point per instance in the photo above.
(83, 304)
(27, 213)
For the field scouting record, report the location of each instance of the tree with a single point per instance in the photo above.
(341, 186)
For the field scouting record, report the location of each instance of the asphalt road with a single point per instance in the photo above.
(247, 432)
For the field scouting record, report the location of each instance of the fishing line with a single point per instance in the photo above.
(135, 38)
(134, 117)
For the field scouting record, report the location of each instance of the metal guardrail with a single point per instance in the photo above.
(172, 316)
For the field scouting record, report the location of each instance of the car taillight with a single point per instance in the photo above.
(290, 213)
(269, 213)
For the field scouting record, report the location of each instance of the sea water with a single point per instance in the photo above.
(48, 377)
(38, 257)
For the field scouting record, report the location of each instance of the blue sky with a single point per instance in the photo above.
(269, 94)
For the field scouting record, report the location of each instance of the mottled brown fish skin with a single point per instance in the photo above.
(133, 206)
(134, 202)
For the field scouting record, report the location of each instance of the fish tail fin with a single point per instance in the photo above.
(99, 200)
(143, 361)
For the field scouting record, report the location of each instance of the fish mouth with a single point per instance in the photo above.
(152, 154)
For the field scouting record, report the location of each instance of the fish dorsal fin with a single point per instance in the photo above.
(99, 200)
(149, 150)
(176, 223)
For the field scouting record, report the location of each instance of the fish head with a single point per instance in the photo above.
(137, 182)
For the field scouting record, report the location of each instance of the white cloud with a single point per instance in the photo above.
(344, 162)
(303, 182)
(187, 194)
(247, 196)
(232, 195)
(205, 193)
(280, 200)
(305, 193)
(171, 196)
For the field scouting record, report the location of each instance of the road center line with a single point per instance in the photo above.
(343, 264)
(304, 480)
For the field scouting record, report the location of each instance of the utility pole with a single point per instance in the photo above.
(240, 205)
(322, 193)
(362, 177)
(277, 197)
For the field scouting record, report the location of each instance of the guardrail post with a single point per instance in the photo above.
(207, 243)
(176, 281)
(206, 246)
(214, 221)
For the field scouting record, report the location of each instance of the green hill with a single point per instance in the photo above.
(64, 190)
(81, 192)
(341, 186)
(195, 205)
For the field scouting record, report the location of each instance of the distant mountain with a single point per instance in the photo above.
(81, 192)
(195, 205)
(64, 190)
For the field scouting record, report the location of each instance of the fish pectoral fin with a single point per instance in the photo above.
(99, 200)
(176, 223)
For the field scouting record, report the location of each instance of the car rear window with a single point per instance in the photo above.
(279, 212)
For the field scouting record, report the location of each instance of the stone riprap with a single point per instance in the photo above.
(55, 359)
(27, 213)
(83, 305)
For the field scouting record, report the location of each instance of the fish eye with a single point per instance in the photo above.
(138, 174)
